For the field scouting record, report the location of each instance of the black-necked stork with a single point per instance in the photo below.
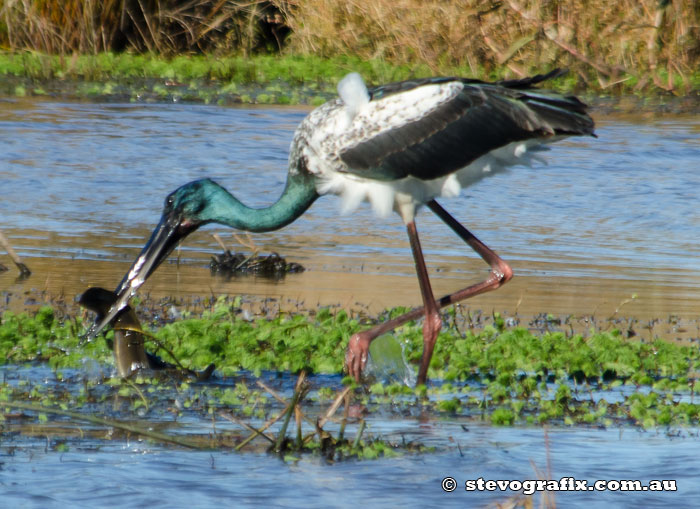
(399, 147)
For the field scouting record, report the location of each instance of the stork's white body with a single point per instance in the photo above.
(352, 119)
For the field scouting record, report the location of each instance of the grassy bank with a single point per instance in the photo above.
(625, 47)
(259, 69)
(258, 79)
(263, 79)
(503, 375)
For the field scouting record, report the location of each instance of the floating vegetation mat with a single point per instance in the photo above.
(488, 370)
(271, 413)
(272, 266)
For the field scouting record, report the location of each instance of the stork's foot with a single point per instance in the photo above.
(357, 354)
(431, 329)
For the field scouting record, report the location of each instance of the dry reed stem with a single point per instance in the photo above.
(255, 432)
(162, 26)
(279, 398)
(602, 41)
(300, 391)
(606, 43)
(100, 421)
(321, 421)
(259, 431)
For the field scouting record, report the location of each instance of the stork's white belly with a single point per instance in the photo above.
(406, 195)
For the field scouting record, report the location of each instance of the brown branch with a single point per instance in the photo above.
(23, 269)
(159, 437)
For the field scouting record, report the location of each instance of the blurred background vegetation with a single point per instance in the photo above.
(643, 44)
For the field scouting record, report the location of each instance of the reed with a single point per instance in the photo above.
(644, 42)
(160, 26)
(628, 45)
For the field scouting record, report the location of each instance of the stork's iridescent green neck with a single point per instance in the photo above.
(204, 201)
(201, 202)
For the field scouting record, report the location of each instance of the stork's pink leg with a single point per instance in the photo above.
(358, 347)
(433, 322)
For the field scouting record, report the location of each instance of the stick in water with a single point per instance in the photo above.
(23, 269)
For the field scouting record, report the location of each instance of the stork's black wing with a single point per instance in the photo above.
(480, 118)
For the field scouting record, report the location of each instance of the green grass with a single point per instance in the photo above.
(503, 375)
(260, 79)
(259, 69)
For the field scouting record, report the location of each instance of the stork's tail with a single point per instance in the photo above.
(566, 114)
(532, 80)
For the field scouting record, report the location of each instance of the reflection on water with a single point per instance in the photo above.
(83, 184)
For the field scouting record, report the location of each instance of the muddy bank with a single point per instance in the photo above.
(641, 309)
(280, 92)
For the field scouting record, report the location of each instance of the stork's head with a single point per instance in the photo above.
(186, 209)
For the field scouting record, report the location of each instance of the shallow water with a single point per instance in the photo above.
(83, 185)
(134, 475)
(126, 473)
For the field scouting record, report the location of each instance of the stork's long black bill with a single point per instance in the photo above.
(163, 240)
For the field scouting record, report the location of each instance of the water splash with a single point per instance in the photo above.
(387, 361)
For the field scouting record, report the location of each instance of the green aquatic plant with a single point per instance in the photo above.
(286, 343)
(504, 377)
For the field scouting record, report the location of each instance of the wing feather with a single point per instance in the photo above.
(478, 118)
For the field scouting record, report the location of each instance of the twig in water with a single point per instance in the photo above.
(249, 242)
(321, 421)
(299, 390)
(23, 269)
(346, 413)
(255, 431)
(139, 392)
(160, 437)
(259, 431)
(217, 238)
(356, 443)
(279, 398)
(297, 416)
